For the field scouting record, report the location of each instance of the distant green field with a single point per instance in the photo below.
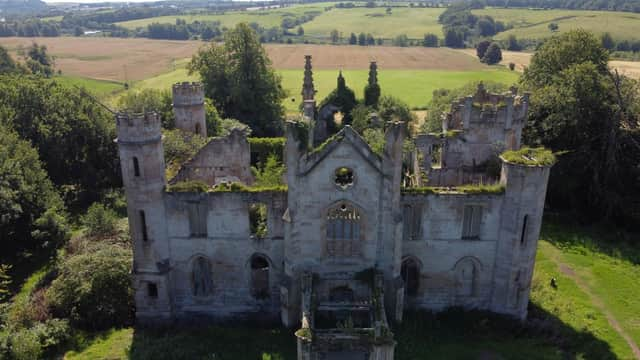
(533, 24)
(265, 18)
(415, 87)
(414, 22)
(99, 88)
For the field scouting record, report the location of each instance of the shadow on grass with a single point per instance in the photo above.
(219, 343)
(565, 233)
(459, 334)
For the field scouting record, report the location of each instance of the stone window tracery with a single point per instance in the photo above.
(343, 231)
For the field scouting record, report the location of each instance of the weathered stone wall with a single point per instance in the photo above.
(188, 108)
(229, 247)
(441, 248)
(223, 159)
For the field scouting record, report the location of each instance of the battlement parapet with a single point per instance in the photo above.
(188, 94)
(138, 128)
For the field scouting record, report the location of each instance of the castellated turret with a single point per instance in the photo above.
(143, 174)
(188, 107)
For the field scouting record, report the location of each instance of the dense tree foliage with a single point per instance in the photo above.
(238, 77)
(430, 40)
(372, 90)
(342, 97)
(493, 55)
(614, 5)
(32, 212)
(73, 135)
(93, 287)
(144, 100)
(579, 107)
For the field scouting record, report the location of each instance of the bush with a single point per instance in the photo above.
(100, 220)
(270, 174)
(430, 40)
(93, 289)
(512, 66)
(493, 54)
(25, 344)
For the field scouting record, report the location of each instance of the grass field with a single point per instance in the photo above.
(265, 18)
(100, 88)
(415, 87)
(595, 285)
(533, 24)
(413, 22)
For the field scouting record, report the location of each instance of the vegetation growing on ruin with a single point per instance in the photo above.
(189, 186)
(180, 146)
(262, 148)
(530, 156)
(199, 186)
(474, 189)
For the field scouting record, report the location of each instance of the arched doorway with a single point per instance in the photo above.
(410, 272)
(260, 277)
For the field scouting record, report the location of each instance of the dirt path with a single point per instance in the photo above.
(595, 299)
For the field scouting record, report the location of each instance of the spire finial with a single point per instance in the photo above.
(308, 90)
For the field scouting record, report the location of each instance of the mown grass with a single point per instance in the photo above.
(265, 18)
(414, 87)
(610, 270)
(533, 24)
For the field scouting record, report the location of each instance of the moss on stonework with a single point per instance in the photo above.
(319, 148)
(304, 334)
(199, 186)
(453, 133)
(530, 156)
(189, 186)
(462, 189)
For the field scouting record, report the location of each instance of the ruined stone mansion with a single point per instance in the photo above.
(353, 240)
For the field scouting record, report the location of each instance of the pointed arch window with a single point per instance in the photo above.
(343, 231)
(201, 281)
(410, 272)
(467, 274)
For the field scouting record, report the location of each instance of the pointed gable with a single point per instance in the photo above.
(347, 136)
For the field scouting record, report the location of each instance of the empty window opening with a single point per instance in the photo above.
(436, 155)
(259, 277)
(344, 177)
(197, 219)
(410, 272)
(412, 215)
(341, 294)
(201, 281)
(472, 219)
(152, 290)
(143, 226)
(343, 231)
(258, 220)
(523, 236)
(467, 278)
(136, 167)
(198, 129)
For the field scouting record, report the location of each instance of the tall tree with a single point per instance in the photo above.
(31, 209)
(238, 77)
(579, 107)
(372, 90)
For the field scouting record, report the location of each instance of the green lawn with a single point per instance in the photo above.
(415, 87)
(533, 24)
(265, 18)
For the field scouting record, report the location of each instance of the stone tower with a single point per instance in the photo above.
(188, 107)
(143, 175)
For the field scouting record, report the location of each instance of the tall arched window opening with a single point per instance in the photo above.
(523, 236)
(136, 167)
(343, 231)
(260, 277)
(410, 272)
(201, 281)
(143, 226)
(467, 278)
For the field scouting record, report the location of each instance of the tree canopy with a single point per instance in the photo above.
(32, 211)
(238, 77)
(581, 108)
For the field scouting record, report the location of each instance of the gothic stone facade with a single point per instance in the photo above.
(344, 212)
